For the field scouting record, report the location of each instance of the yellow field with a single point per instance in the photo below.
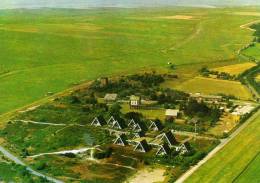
(215, 86)
(236, 68)
(226, 124)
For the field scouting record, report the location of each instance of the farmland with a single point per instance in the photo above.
(46, 51)
(251, 172)
(215, 86)
(236, 69)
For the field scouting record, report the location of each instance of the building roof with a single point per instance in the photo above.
(163, 150)
(121, 140)
(110, 96)
(131, 123)
(118, 123)
(156, 125)
(169, 138)
(198, 95)
(98, 121)
(172, 112)
(194, 120)
(139, 134)
(142, 146)
(134, 97)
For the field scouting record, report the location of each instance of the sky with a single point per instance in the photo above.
(118, 3)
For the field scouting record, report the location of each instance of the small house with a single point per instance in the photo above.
(169, 138)
(194, 120)
(156, 125)
(110, 97)
(139, 134)
(163, 150)
(135, 102)
(206, 98)
(142, 146)
(121, 140)
(111, 121)
(98, 121)
(137, 127)
(171, 113)
(184, 148)
(117, 123)
(131, 124)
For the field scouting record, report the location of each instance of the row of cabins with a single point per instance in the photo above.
(119, 123)
(166, 143)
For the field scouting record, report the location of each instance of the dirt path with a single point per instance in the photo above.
(73, 151)
(218, 148)
(247, 25)
(189, 38)
(148, 175)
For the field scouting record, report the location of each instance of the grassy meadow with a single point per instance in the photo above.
(49, 50)
(231, 163)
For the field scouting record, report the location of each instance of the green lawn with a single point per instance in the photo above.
(233, 159)
(49, 50)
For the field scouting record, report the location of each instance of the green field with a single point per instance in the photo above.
(251, 172)
(50, 50)
(236, 161)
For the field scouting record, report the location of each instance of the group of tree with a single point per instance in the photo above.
(202, 110)
(204, 71)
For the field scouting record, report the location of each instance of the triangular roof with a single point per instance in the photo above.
(137, 127)
(139, 134)
(121, 140)
(119, 123)
(98, 121)
(169, 138)
(111, 120)
(131, 123)
(156, 125)
(163, 150)
(142, 146)
(187, 145)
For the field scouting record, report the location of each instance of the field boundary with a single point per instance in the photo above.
(253, 159)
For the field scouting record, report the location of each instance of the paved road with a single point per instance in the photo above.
(18, 161)
(219, 147)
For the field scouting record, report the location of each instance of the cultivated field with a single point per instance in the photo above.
(235, 69)
(215, 86)
(251, 172)
(48, 50)
(236, 161)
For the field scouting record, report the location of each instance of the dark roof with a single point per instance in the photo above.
(156, 124)
(164, 148)
(100, 120)
(138, 127)
(131, 122)
(169, 138)
(119, 122)
(139, 134)
(122, 138)
(187, 145)
(143, 145)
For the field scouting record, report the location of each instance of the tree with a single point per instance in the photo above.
(115, 109)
